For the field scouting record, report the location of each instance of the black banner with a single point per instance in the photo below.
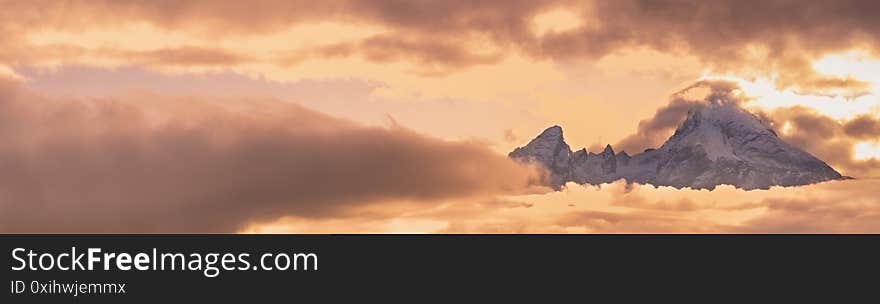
(415, 267)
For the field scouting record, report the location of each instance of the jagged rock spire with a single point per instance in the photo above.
(608, 150)
(550, 150)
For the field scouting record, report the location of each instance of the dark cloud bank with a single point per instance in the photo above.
(157, 164)
(780, 36)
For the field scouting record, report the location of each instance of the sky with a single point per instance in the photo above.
(396, 116)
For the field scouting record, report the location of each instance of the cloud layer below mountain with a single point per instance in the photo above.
(831, 207)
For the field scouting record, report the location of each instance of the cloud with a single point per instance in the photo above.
(152, 163)
(793, 215)
(779, 38)
(432, 57)
(190, 56)
(828, 139)
(832, 207)
(770, 36)
(415, 32)
(833, 86)
(653, 132)
(863, 127)
(427, 53)
(849, 206)
(636, 222)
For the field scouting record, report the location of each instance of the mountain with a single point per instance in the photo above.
(719, 143)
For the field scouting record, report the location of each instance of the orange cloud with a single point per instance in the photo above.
(830, 140)
(833, 207)
(863, 127)
(190, 56)
(151, 163)
(725, 34)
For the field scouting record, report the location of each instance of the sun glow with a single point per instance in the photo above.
(786, 128)
(866, 150)
(857, 65)
(763, 93)
(559, 20)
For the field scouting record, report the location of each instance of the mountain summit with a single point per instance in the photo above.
(719, 143)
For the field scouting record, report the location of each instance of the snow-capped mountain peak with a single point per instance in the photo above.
(718, 143)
